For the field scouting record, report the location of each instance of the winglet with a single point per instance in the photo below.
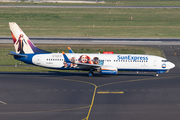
(70, 51)
(66, 59)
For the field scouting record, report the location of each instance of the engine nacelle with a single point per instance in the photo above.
(109, 70)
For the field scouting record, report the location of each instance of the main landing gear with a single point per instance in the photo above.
(90, 74)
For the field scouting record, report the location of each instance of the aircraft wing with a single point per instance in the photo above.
(81, 65)
(88, 66)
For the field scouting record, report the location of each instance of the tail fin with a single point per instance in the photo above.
(22, 43)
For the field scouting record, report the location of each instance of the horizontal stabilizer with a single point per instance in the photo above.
(15, 54)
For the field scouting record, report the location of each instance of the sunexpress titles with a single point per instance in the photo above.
(129, 57)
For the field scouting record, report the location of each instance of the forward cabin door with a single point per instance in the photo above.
(39, 60)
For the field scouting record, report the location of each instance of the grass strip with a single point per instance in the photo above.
(107, 3)
(76, 22)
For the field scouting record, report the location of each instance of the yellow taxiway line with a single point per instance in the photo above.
(110, 92)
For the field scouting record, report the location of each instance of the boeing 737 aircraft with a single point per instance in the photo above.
(109, 64)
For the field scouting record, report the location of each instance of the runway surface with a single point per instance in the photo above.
(74, 96)
(85, 40)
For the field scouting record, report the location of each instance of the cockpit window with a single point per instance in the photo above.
(164, 60)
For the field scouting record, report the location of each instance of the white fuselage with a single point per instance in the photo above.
(120, 61)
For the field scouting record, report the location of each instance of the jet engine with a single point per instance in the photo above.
(109, 70)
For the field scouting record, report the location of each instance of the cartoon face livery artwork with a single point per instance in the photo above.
(70, 65)
(101, 62)
(85, 59)
(65, 64)
(82, 59)
(96, 60)
(163, 65)
(73, 59)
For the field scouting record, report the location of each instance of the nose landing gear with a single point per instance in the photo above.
(156, 74)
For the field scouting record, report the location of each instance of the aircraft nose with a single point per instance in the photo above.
(171, 65)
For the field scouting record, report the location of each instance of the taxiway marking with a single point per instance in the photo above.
(92, 90)
(44, 111)
(92, 102)
(103, 92)
(117, 92)
(136, 80)
(3, 102)
(110, 92)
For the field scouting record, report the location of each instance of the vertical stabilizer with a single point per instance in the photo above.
(22, 43)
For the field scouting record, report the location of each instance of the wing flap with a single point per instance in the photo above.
(88, 66)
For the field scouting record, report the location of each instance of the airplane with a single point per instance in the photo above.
(108, 64)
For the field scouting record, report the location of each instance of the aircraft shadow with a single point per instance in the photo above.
(83, 74)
